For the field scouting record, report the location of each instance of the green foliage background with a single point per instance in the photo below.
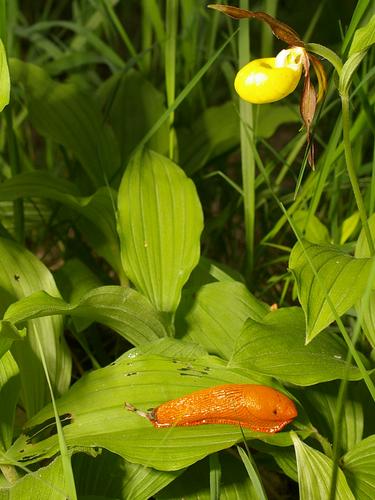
(157, 236)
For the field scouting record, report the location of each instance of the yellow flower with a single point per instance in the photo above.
(272, 78)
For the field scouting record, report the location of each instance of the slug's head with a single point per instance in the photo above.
(272, 409)
(283, 408)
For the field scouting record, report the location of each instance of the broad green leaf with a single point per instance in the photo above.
(4, 78)
(348, 227)
(70, 117)
(275, 346)
(321, 402)
(339, 276)
(368, 319)
(362, 250)
(110, 476)
(47, 483)
(209, 271)
(311, 227)
(214, 316)
(133, 106)
(93, 414)
(314, 474)
(363, 37)
(368, 313)
(9, 393)
(124, 310)
(9, 333)
(285, 457)
(160, 222)
(359, 467)
(348, 71)
(98, 224)
(21, 274)
(74, 279)
(170, 348)
(286, 460)
(194, 483)
(207, 138)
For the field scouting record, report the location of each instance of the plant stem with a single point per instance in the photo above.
(351, 170)
(170, 64)
(18, 211)
(336, 62)
(247, 156)
(324, 443)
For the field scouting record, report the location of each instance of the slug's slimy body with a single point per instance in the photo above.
(257, 407)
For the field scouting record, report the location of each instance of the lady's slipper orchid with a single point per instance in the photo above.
(270, 79)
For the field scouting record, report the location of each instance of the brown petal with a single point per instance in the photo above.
(321, 76)
(307, 109)
(279, 29)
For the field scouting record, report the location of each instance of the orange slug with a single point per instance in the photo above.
(257, 407)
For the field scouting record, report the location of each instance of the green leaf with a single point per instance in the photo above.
(70, 117)
(21, 274)
(362, 249)
(48, 482)
(215, 475)
(134, 105)
(98, 224)
(160, 222)
(122, 309)
(276, 347)
(94, 415)
(359, 467)
(4, 78)
(320, 404)
(208, 271)
(8, 334)
(363, 37)
(207, 138)
(214, 316)
(253, 473)
(368, 312)
(368, 319)
(194, 483)
(170, 348)
(349, 226)
(311, 227)
(339, 276)
(314, 474)
(286, 460)
(74, 279)
(348, 70)
(109, 476)
(9, 393)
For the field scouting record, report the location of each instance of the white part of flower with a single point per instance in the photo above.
(290, 58)
(256, 78)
